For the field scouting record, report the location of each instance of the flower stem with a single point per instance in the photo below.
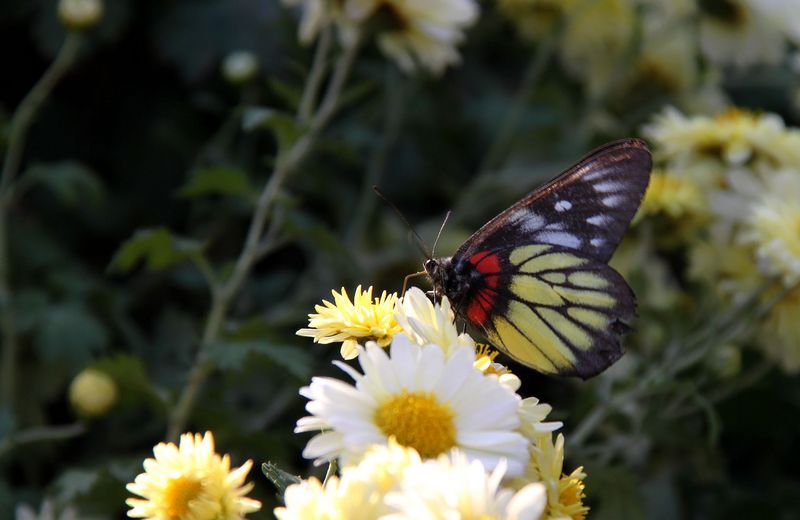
(224, 296)
(20, 125)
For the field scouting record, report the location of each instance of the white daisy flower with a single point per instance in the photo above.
(425, 322)
(773, 227)
(748, 32)
(414, 33)
(423, 399)
(452, 486)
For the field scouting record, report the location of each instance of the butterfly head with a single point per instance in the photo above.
(437, 271)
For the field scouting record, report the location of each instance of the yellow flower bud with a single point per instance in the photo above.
(92, 393)
(80, 14)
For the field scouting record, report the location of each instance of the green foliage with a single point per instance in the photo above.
(156, 248)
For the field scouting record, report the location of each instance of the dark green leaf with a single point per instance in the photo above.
(69, 332)
(282, 125)
(75, 483)
(218, 180)
(232, 355)
(157, 248)
(71, 182)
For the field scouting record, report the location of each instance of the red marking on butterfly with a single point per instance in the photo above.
(488, 264)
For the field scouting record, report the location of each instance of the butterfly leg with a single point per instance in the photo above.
(409, 277)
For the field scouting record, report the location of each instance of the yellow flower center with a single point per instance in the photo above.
(178, 493)
(417, 420)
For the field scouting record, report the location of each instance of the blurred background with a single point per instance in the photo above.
(144, 141)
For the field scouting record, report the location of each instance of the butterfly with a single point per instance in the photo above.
(535, 279)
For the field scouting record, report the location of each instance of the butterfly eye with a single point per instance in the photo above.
(431, 266)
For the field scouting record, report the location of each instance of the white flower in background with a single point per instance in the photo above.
(423, 399)
(532, 415)
(748, 32)
(426, 323)
(773, 226)
(735, 137)
(358, 493)
(46, 512)
(413, 33)
(455, 487)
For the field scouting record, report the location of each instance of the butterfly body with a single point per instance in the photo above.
(535, 279)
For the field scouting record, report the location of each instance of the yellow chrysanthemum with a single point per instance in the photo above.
(780, 332)
(485, 362)
(351, 322)
(191, 482)
(773, 227)
(734, 136)
(672, 195)
(565, 493)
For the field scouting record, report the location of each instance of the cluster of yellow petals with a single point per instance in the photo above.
(353, 322)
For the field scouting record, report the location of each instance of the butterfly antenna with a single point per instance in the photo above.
(439, 234)
(419, 242)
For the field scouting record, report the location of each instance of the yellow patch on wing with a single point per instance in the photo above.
(531, 289)
(590, 318)
(574, 334)
(559, 278)
(588, 279)
(586, 297)
(531, 341)
(551, 262)
(523, 253)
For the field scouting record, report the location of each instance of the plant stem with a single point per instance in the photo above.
(315, 77)
(223, 297)
(44, 433)
(20, 124)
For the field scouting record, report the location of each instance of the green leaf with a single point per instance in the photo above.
(280, 478)
(282, 125)
(69, 332)
(232, 355)
(71, 182)
(218, 180)
(158, 248)
(129, 374)
(75, 483)
(290, 94)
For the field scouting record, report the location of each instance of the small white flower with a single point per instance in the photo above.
(452, 486)
(427, 323)
(423, 399)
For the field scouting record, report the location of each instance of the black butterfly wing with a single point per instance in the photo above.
(539, 284)
(587, 208)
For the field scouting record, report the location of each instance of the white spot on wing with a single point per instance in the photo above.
(555, 226)
(613, 200)
(598, 220)
(559, 238)
(528, 221)
(597, 242)
(595, 174)
(608, 186)
(563, 205)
